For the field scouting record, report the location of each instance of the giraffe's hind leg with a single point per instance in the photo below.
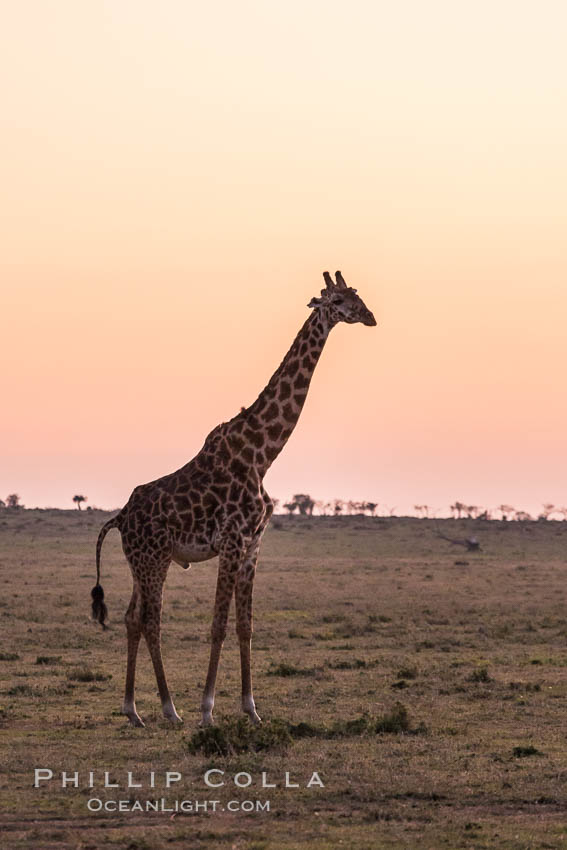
(144, 618)
(133, 621)
(151, 629)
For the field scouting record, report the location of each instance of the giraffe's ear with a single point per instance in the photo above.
(315, 302)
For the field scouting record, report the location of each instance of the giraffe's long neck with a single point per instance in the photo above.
(266, 425)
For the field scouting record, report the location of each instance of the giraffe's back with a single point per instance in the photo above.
(183, 515)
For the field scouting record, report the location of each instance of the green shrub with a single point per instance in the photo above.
(480, 675)
(85, 674)
(393, 722)
(525, 752)
(237, 735)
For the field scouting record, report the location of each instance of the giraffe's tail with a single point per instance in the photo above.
(99, 609)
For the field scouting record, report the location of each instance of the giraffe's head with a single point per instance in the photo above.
(341, 302)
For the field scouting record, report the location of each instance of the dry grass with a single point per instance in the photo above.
(429, 696)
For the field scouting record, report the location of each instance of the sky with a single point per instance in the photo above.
(177, 175)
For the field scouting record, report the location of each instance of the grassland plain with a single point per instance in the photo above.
(353, 616)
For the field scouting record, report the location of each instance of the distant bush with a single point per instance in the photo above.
(407, 673)
(85, 674)
(528, 687)
(395, 721)
(237, 735)
(357, 664)
(480, 675)
(21, 690)
(525, 752)
(284, 669)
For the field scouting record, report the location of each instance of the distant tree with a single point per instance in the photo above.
(548, 509)
(506, 510)
(457, 509)
(2, 503)
(338, 506)
(353, 507)
(304, 504)
(321, 507)
(472, 511)
(290, 507)
(13, 501)
(371, 507)
(523, 516)
(422, 510)
(78, 500)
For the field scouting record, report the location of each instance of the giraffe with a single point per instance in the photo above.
(216, 505)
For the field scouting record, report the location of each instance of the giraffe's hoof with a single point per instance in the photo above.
(249, 708)
(207, 720)
(173, 718)
(129, 709)
(255, 719)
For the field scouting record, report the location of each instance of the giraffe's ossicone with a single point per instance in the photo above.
(216, 505)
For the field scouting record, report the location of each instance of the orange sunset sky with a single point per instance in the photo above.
(176, 176)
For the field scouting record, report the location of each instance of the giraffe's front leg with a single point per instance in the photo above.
(243, 597)
(229, 560)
